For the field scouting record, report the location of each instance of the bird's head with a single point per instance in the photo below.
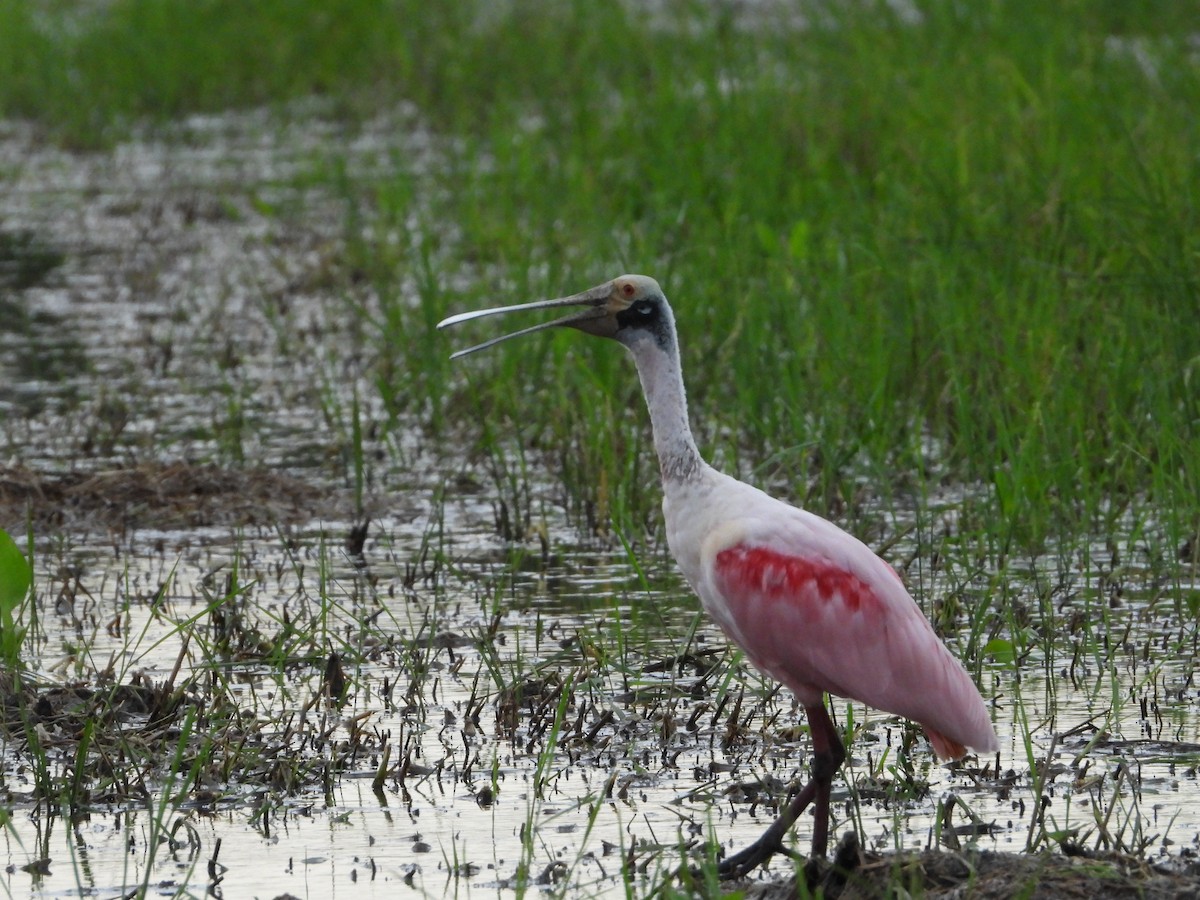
(629, 309)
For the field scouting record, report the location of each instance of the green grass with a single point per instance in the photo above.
(979, 230)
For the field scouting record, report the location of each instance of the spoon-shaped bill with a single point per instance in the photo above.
(595, 299)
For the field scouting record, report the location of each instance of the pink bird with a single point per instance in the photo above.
(811, 606)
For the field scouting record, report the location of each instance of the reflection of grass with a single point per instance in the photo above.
(37, 345)
(24, 262)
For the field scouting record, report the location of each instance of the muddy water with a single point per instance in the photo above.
(545, 712)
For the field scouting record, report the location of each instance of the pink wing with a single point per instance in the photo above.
(847, 626)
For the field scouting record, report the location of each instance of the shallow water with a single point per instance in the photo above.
(186, 322)
(431, 831)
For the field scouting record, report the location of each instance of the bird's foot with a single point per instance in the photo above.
(828, 878)
(846, 859)
(750, 858)
(829, 875)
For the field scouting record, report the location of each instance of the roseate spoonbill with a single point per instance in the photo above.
(810, 605)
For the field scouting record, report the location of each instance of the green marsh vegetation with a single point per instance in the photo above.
(935, 269)
(961, 238)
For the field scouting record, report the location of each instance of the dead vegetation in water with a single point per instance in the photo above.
(93, 741)
(110, 741)
(857, 875)
(160, 495)
(115, 737)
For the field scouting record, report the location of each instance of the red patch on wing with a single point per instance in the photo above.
(779, 575)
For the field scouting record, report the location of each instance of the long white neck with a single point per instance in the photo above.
(662, 382)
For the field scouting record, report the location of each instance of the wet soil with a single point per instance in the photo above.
(994, 876)
(161, 496)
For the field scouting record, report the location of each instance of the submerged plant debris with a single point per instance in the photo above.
(163, 496)
(993, 876)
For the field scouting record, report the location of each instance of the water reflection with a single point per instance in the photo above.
(666, 737)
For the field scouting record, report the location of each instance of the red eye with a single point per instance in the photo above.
(627, 290)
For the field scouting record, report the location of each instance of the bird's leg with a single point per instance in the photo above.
(828, 755)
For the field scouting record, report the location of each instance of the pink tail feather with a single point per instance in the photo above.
(945, 747)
